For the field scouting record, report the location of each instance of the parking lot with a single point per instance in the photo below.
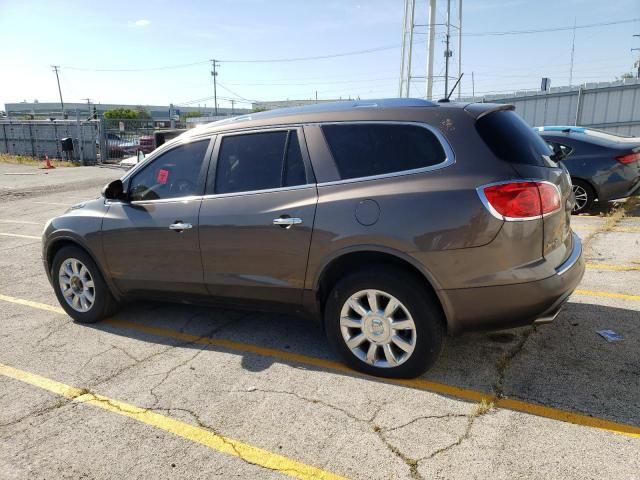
(180, 391)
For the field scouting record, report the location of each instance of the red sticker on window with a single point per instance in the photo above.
(163, 176)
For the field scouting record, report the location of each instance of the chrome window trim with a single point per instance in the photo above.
(255, 192)
(188, 198)
(211, 196)
(499, 216)
(449, 158)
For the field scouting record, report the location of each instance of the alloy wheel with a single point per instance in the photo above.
(76, 285)
(582, 198)
(378, 328)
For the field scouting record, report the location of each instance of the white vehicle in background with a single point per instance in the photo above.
(130, 162)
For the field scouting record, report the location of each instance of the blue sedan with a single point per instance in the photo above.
(603, 166)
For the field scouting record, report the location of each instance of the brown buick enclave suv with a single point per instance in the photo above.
(393, 221)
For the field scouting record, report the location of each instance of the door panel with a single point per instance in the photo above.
(151, 240)
(244, 255)
(144, 255)
(258, 178)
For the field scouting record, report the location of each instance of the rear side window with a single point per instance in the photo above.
(511, 139)
(259, 161)
(564, 149)
(363, 150)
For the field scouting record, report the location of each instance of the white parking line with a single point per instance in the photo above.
(21, 222)
(33, 237)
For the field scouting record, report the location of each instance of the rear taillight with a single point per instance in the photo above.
(628, 158)
(520, 200)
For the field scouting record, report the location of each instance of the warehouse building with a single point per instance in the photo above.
(159, 113)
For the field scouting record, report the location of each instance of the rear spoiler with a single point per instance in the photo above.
(479, 110)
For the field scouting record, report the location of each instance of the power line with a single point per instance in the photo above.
(236, 94)
(214, 74)
(149, 69)
(346, 54)
(553, 29)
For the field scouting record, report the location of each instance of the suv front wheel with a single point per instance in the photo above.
(383, 322)
(80, 287)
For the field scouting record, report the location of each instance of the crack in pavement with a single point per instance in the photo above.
(505, 362)
(60, 326)
(201, 349)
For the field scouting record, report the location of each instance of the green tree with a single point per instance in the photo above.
(121, 113)
(258, 109)
(142, 113)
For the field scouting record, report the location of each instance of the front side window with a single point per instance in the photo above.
(259, 161)
(173, 174)
(364, 150)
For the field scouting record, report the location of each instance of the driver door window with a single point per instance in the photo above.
(176, 173)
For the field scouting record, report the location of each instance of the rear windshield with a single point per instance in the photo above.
(511, 139)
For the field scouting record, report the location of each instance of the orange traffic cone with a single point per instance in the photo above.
(47, 163)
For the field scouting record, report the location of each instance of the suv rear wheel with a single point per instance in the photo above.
(80, 287)
(382, 322)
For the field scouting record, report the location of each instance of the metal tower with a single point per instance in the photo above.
(409, 31)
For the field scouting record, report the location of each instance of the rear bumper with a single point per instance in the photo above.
(514, 305)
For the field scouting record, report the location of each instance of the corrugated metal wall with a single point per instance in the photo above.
(613, 107)
(36, 138)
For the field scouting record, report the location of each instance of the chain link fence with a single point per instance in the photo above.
(37, 138)
(122, 138)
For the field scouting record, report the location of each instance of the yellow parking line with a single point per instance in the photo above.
(417, 383)
(203, 436)
(29, 303)
(604, 266)
(592, 293)
(20, 236)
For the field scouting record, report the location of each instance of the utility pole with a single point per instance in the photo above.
(459, 46)
(430, 47)
(473, 85)
(214, 74)
(573, 49)
(55, 69)
(408, 25)
(637, 64)
(447, 52)
(88, 106)
(232, 104)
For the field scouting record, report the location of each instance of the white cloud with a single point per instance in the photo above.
(142, 23)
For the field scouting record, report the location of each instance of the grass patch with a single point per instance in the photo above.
(32, 161)
(483, 407)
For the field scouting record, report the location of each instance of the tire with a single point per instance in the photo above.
(587, 195)
(416, 305)
(87, 311)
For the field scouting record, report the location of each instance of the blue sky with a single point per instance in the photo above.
(145, 34)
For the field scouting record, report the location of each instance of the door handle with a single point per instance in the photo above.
(287, 222)
(180, 226)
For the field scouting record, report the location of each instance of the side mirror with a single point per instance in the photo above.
(558, 154)
(113, 190)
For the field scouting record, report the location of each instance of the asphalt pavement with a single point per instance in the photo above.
(179, 391)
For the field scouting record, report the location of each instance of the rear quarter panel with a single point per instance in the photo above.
(434, 217)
